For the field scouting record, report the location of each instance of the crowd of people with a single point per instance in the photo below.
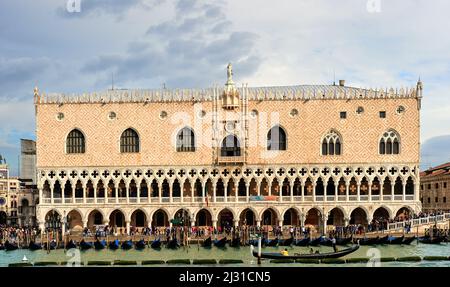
(17, 234)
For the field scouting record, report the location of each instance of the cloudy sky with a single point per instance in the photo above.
(187, 43)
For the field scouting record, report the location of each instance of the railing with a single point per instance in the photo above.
(47, 200)
(386, 197)
(352, 197)
(342, 198)
(409, 197)
(286, 198)
(68, 200)
(165, 199)
(155, 199)
(376, 197)
(133, 199)
(100, 200)
(79, 200)
(111, 200)
(330, 198)
(419, 221)
(398, 197)
(231, 199)
(176, 199)
(143, 199)
(319, 198)
(364, 198)
(122, 200)
(57, 200)
(230, 159)
(308, 198)
(242, 199)
(297, 198)
(198, 199)
(220, 199)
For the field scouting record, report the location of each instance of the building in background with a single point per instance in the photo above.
(435, 188)
(316, 155)
(28, 162)
(9, 187)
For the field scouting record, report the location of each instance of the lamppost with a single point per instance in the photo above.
(53, 223)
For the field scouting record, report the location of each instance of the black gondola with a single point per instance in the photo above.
(114, 245)
(220, 243)
(273, 242)
(85, 245)
(325, 241)
(315, 242)
(408, 240)
(127, 245)
(383, 240)
(287, 242)
(343, 241)
(395, 240)
(71, 245)
(140, 244)
(431, 240)
(10, 246)
(235, 242)
(207, 242)
(275, 255)
(52, 245)
(99, 245)
(366, 241)
(34, 246)
(303, 242)
(173, 244)
(156, 243)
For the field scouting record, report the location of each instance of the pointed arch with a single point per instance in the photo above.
(332, 143)
(75, 142)
(186, 140)
(129, 141)
(390, 142)
(276, 138)
(230, 146)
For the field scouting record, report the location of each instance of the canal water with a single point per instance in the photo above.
(243, 253)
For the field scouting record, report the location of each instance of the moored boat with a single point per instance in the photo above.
(71, 245)
(51, 246)
(366, 240)
(220, 242)
(173, 244)
(431, 240)
(140, 244)
(114, 245)
(99, 245)
(315, 242)
(343, 241)
(303, 242)
(273, 242)
(395, 240)
(235, 242)
(156, 243)
(85, 245)
(127, 245)
(275, 255)
(9, 246)
(287, 242)
(408, 240)
(34, 246)
(383, 240)
(207, 242)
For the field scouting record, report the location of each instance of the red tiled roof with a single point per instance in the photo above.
(438, 170)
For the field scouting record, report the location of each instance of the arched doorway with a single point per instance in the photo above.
(336, 217)
(269, 217)
(225, 218)
(247, 217)
(203, 218)
(117, 219)
(314, 220)
(160, 218)
(404, 213)
(182, 217)
(95, 218)
(138, 219)
(74, 220)
(290, 217)
(358, 217)
(381, 218)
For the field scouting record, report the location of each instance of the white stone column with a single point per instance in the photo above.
(236, 222)
(127, 223)
(203, 191)
(117, 193)
(270, 188)
(403, 190)
(336, 193)
(416, 190)
(225, 191)
(258, 223)
(182, 192)
(192, 191)
(84, 193)
(214, 223)
(370, 191)
(192, 222)
(347, 191)
(302, 190)
(127, 193)
(170, 191)
(51, 195)
(258, 186)
(314, 191)
(63, 228)
(41, 198)
(324, 222)
(214, 190)
(392, 190)
(160, 192)
(149, 192)
(247, 192)
(280, 191)
(73, 193)
(358, 191)
(63, 197)
(95, 193)
(105, 188)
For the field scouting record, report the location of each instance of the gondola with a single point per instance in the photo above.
(220, 243)
(431, 240)
(302, 242)
(52, 245)
(10, 246)
(275, 255)
(156, 243)
(207, 242)
(325, 241)
(408, 240)
(34, 246)
(85, 245)
(71, 245)
(366, 241)
(273, 242)
(173, 244)
(114, 245)
(315, 242)
(235, 242)
(343, 241)
(127, 245)
(99, 245)
(140, 244)
(383, 240)
(395, 240)
(287, 242)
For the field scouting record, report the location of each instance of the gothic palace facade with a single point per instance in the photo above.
(318, 155)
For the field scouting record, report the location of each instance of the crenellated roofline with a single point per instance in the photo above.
(300, 92)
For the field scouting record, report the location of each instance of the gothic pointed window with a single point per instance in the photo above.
(390, 143)
(276, 139)
(129, 141)
(332, 144)
(230, 146)
(185, 140)
(75, 142)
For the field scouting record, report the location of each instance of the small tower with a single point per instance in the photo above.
(230, 96)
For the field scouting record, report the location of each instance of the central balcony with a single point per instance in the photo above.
(230, 160)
